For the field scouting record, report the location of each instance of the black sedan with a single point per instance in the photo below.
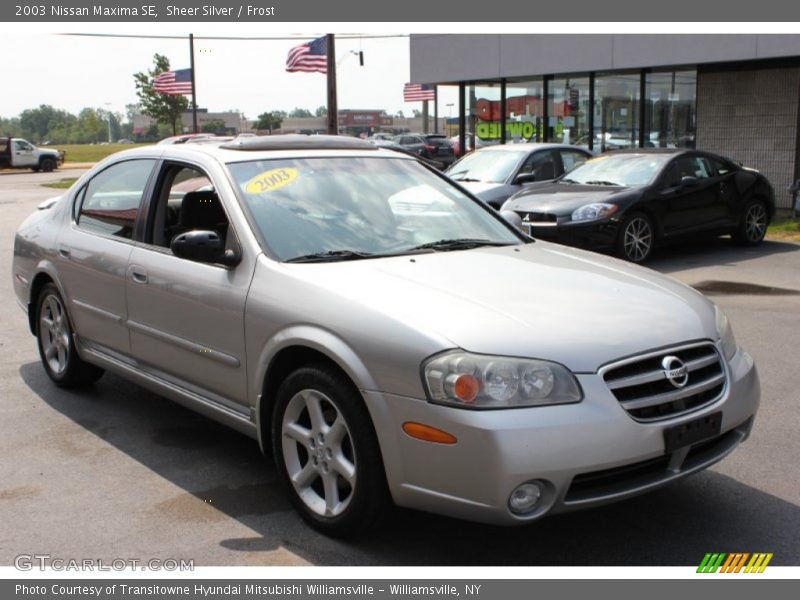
(629, 201)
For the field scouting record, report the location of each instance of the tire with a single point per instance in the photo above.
(56, 344)
(636, 238)
(48, 165)
(36, 169)
(753, 224)
(327, 453)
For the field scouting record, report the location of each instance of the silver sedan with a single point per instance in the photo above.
(389, 337)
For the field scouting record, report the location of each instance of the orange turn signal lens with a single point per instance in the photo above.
(466, 388)
(427, 433)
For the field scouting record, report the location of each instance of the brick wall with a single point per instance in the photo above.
(751, 117)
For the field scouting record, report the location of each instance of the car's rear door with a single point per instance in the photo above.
(93, 252)
(186, 318)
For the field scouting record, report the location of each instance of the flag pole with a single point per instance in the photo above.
(194, 93)
(333, 112)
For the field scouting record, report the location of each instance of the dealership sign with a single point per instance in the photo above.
(514, 129)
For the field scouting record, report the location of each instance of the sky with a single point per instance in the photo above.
(71, 72)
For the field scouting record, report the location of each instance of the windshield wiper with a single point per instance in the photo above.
(458, 244)
(568, 180)
(467, 179)
(603, 182)
(331, 256)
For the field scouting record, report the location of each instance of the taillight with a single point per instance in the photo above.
(428, 147)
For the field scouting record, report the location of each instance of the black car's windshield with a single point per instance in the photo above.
(490, 166)
(326, 209)
(627, 170)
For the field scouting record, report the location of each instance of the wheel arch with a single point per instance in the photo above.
(297, 347)
(45, 274)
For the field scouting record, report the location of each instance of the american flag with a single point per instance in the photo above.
(174, 83)
(414, 92)
(309, 57)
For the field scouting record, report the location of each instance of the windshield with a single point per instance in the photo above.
(627, 170)
(490, 166)
(360, 207)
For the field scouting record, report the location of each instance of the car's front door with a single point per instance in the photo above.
(689, 194)
(186, 318)
(93, 251)
(24, 154)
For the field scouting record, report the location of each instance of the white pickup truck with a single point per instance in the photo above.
(16, 153)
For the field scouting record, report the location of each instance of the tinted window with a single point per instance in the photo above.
(722, 167)
(111, 199)
(694, 166)
(541, 164)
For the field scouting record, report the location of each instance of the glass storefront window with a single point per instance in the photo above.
(670, 109)
(568, 110)
(616, 111)
(524, 111)
(483, 121)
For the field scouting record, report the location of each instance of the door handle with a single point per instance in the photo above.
(139, 275)
(64, 252)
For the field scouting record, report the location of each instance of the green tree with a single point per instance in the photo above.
(270, 120)
(300, 113)
(322, 111)
(160, 107)
(36, 123)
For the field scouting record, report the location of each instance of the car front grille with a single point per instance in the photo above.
(538, 217)
(647, 393)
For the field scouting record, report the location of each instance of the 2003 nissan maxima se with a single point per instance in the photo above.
(388, 336)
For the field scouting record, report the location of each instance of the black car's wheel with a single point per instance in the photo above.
(753, 224)
(48, 165)
(326, 452)
(56, 346)
(636, 238)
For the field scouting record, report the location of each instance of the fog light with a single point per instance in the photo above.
(525, 498)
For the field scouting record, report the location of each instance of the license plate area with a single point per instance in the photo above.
(692, 432)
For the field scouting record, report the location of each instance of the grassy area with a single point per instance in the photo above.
(91, 153)
(784, 229)
(61, 184)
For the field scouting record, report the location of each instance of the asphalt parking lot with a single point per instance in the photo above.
(118, 472)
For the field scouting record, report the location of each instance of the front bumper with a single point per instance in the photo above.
(592, 235)
(586, 454)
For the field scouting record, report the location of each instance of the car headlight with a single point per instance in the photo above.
(479, 381)
(596, 210)
(725, 332)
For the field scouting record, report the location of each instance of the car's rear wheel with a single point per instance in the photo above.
(56, 345)
(636, 238)
(48, 165)
(753, 224)
(327, 453)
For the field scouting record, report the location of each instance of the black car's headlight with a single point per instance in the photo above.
(480, 381)
(596, 210)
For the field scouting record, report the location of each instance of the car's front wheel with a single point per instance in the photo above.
(56, 346)
(327, 453)
(753, 224)
(48, 165)
(636, 238)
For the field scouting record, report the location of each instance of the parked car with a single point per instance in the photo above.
(629, 201)
(16, 153)
(433, 146)
(386, 335)
(186, 137)
(495, 173)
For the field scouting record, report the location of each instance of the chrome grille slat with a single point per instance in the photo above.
(676, 395)
(643, 389)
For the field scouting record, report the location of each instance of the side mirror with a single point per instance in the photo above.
(688, 181)
(525, 178)
(204, 246)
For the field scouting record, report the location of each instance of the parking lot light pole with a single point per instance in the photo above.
(333, 112)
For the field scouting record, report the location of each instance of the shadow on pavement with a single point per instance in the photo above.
(674, 526)
(714, 252)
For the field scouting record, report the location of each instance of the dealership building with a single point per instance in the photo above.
(735, 95)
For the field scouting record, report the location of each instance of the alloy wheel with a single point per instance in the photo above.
(755, 223)
(54, 334)
(637, 239)
(318, 453)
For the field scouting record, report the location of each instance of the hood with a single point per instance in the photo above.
(540, 300)
(561, 198)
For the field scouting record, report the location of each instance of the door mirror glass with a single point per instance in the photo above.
(525, 178)
(688, 181)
